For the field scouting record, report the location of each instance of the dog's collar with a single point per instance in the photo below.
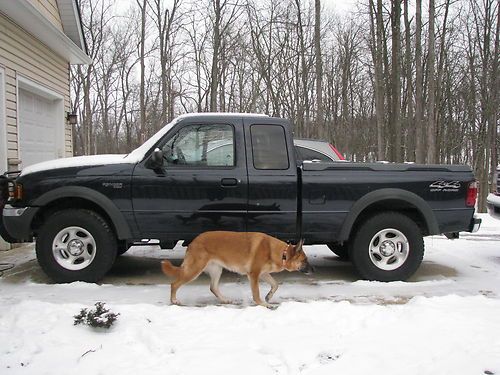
(283, 256)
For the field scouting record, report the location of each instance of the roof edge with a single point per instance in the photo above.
(27, 16)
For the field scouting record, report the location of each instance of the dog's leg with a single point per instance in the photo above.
(254, 284)
(215, 271)
(190, 269)
(271, 281)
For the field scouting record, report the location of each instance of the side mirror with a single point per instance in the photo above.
(157, 158)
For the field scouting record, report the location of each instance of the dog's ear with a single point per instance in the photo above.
(298, 247)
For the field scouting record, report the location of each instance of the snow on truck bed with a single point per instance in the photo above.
(445, 320)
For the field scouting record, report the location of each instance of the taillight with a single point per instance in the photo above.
(341, 157)
(470, 198)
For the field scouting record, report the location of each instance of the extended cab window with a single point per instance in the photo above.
(308, 154)
(269, 147)
(201, 146)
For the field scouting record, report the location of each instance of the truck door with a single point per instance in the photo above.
(202, 186)
(272, 178)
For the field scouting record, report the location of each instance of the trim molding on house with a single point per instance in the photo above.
(23, 13)
(71, 19)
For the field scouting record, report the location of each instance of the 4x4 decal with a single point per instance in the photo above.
(447, 186)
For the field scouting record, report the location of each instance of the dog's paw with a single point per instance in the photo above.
(272, 306)
(268, 305)
(226, 301)
(175, 302)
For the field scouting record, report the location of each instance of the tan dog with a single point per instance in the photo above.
(255, 254)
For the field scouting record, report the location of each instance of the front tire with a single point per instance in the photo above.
(121, 248)
(387, 247)
(76, 245)
(342, 251)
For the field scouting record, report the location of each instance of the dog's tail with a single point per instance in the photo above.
(169, 269)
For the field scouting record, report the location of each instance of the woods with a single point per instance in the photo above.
(388, 80)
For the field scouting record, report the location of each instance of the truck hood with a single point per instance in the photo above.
(78, 161)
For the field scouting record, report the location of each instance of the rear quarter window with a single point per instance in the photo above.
(269, 147)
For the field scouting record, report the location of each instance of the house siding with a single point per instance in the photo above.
(21, 54)
(50, 11)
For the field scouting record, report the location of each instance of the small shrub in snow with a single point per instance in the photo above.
(100, 317)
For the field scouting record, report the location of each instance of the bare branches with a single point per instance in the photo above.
(384, 82)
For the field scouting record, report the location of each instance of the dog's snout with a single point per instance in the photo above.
(307, 269)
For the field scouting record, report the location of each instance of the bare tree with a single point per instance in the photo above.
(395, 118)
(376, 30)
(408, 72)
(431, 73)
(359, 80)
(319, 67)
(142, 61)
(419, 108)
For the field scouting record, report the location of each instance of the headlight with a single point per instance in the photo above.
(15, 191)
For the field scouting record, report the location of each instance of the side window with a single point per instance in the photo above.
(308, 154)
(201, 146)
(269, 147)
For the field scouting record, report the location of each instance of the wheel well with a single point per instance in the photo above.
(68, 203)
(394, 205)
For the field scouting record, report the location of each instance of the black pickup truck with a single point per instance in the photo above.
(235, 172)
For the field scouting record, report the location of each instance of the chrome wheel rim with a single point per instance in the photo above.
(389, 249)
(74, 248)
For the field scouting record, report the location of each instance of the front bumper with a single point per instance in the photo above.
(16, 221)
(493, 204)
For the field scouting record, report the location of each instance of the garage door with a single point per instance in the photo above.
(38, 133)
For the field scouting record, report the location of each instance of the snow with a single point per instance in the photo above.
(445, 320)
(76, 161)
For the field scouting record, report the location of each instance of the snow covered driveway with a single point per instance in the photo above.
(445, 320)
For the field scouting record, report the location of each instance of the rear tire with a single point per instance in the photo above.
(76, 245)
(387, 247)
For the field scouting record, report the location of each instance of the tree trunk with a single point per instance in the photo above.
(495, 104)
(319, 70)
(214, 78)
(409, 86)
(431, 127)
(379, 80)
(419, 130)
(395, 123)
(142, 87)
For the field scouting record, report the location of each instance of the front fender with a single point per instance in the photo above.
(119, 222)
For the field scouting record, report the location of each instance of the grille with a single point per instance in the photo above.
(4, 192)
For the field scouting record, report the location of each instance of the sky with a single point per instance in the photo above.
(339, 6)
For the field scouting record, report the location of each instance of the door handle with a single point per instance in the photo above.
(229, 182)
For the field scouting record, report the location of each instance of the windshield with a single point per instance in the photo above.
(140, 152)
